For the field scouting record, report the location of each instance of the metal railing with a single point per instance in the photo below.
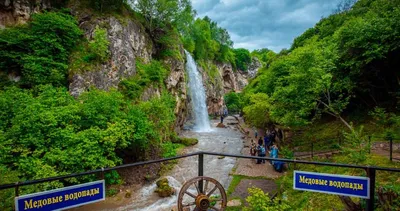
(370, 170)
(390, 140)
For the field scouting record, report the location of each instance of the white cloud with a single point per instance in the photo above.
(269, 24)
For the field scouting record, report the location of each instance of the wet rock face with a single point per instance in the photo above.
(176, 85)
(19, 11)
(128, 41)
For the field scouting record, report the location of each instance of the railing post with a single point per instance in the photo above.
(370, 202)
(201, 173)
(391, 148)
(16, 189)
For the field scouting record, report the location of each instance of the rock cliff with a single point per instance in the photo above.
(128, 41)
(217, 85)
(19, 11)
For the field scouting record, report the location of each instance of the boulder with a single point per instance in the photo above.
(163, 188)
(221, 125)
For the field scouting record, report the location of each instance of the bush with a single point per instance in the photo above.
(99, 45)
(39, 51)
(112, 178)
(154, 72)
(260, 201)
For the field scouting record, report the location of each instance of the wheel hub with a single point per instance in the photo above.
(202, 202)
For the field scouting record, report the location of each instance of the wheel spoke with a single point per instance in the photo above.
(205, 188)
(215, 200)
(212, 191)
(191, 195)
(197, 188)
(190, 204)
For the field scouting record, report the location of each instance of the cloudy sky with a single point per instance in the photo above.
(272, 24)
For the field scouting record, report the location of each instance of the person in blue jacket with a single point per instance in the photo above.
(278, 165)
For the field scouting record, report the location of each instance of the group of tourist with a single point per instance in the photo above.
(263, 145)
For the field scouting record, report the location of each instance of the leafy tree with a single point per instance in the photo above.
(242, 58)
(258, 110)
(233, 101)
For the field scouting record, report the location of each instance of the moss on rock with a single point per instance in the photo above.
(163, 188)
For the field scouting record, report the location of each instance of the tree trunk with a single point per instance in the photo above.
(350, 205)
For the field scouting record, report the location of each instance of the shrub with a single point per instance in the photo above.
(260, 201)
(99, 45)
(39, 51)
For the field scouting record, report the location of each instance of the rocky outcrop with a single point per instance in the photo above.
(176, 85)
(19, 11)
(226, 81)
(128, 41)
(254, 66)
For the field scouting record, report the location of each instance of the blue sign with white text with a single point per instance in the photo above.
(331, 183)
(62, 198)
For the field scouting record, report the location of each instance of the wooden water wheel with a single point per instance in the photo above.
(209, 195)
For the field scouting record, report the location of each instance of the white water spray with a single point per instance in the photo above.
(198, 95)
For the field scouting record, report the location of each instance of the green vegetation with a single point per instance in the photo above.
(260, 201)
(153, 73)
(234, 101)
(242, 58)
(265, 55)
(39, 51)
(334, 68)
(88, 54)
(336, 86)
(309, 200)
(45, 132)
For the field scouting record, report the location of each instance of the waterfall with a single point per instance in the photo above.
(198, 96)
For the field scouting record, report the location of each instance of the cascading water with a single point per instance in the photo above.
(198, 95)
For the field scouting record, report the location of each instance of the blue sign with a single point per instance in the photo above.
(332, 184)
(62, 198)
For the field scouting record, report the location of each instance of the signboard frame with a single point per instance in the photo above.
(101, 182)
(336, 176)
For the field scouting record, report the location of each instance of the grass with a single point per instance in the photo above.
(317, 201)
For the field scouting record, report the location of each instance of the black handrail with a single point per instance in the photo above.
(32, 182)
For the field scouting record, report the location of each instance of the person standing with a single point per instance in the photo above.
(262, 152)
(222, 118)
(266, 142)
(259, 153)
(272, 136)
(255, 132)
(260, 141)
(253, 148)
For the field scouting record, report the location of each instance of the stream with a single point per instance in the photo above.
(222, 140)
